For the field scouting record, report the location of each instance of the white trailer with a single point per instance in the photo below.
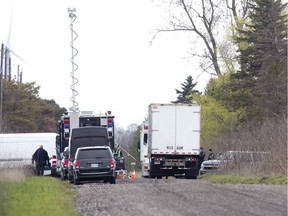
(16, 149)
(173, 139)
(144, 150)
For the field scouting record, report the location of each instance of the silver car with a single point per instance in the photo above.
(231, 158)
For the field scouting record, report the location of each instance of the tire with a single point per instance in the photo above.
(75, 180)
(189, 176)
(152, 171)
(63, 176)
(53, 172)
(113, 180)
(69, 177)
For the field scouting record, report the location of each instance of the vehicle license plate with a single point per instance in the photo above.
(94, 165)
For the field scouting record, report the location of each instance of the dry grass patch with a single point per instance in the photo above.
(12, 174)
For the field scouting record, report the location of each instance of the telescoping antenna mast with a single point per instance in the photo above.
(74, 36)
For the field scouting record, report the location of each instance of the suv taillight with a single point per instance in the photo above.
(65, 162)
(77, 164)
(112, 163)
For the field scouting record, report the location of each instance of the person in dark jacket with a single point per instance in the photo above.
(211, 155)
(201, 158)
(40, 157)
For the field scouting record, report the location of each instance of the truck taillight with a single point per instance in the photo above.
(77, 164)
(191, 159)
(112, 163)
(66, 125)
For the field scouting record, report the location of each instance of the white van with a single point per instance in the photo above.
(16, 149)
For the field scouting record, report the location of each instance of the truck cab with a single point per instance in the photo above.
(143, 148)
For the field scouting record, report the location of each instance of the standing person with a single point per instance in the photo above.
(211, 155)
(201, 157)
(41, 159)
(117, 151)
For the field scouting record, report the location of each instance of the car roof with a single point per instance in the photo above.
(93, 147)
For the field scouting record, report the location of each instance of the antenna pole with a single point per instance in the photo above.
(74, 36)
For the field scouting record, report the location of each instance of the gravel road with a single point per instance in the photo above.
(179, 197)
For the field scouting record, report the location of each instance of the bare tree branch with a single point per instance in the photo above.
(200, 20)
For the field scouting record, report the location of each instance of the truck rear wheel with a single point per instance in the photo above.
(153, 171)
(187, 176)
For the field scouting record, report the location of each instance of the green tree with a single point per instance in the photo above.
(186, 95)
(216, 119)
(133, 151)
(261, 84)
(24, 111)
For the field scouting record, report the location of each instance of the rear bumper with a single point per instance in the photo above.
(95, 175)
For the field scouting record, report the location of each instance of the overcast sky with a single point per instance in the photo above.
(118, 68)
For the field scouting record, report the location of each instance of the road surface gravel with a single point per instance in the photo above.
(172, 197)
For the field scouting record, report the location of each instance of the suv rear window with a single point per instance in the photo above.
(93, 153)
(88, 141)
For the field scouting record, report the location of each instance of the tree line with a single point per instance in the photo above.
(244, 105)
(256, 88)
(245, 97)
(23, 111)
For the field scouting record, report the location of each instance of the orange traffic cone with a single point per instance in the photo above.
(132, 174)
(118, 175)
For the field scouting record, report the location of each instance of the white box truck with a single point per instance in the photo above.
(144, 149)
(16, 149)
(173, 140)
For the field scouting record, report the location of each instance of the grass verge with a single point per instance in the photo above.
(234, 179)
(37, 195)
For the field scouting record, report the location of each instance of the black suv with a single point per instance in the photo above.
(94, 163)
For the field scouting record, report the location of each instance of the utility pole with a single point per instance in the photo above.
(1, 81)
